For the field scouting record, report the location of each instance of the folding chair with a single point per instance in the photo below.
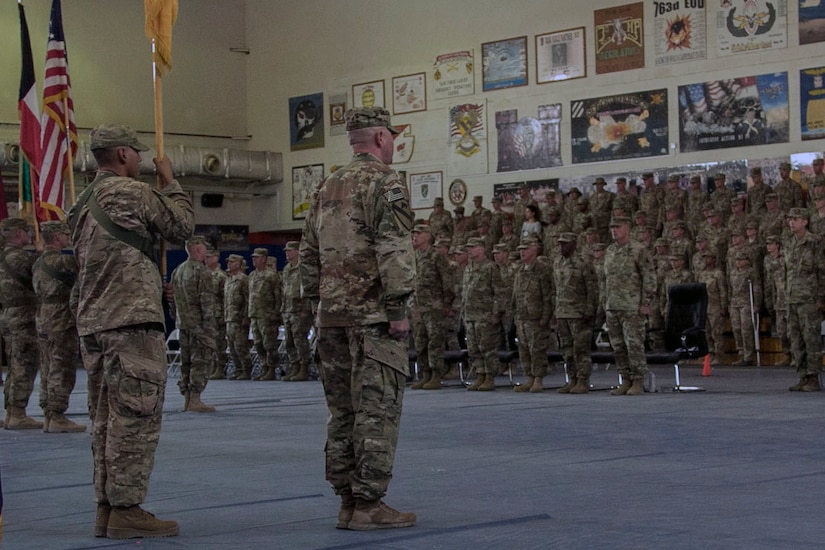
(173, 354)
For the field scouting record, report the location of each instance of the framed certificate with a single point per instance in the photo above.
(425, 187)
(409, 93)
(369, 94)
(560, 55)
(504, 64)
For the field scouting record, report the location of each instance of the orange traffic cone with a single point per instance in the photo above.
(706, 366)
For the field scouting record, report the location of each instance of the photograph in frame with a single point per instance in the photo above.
(337, 109)
(369, 94)
(504, 64)
(409, 93)
(425, 187)
(561, 55)
(305, 179)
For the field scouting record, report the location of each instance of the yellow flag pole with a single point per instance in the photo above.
(69, 147)
(157, 82)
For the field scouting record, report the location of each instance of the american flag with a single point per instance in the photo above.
(28, 108)
(55, 142)
(696, 92)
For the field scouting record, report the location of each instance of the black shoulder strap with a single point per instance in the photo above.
(65, 277)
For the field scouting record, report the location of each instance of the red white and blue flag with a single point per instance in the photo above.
(28, 107)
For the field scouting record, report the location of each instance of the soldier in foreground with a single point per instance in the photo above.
(358, 266)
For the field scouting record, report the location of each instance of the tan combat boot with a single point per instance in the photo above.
(623, 389)
(538, 385)
(478, 382)
(46, 421)
(185, 401)
(377, 515)
(812, 384)
(800, 384)
(17, 420)
(268, 374)
(426, 374)
(569, 386)
(637, 388)
(218, 373)
(526, 386)
(582, 386)
(489, 383)
(346, 511)
(300, 375)
(102, 519)
(198, 406)
(434, 383)
(59, 424)
(133, 522)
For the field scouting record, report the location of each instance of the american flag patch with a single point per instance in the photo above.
(394, 194)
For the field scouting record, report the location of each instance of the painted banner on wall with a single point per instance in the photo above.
(467, 146)
(453, 75)
(529, 143)
(811, 21)
(619, 38)
(751, 25)
(812, 102)
(623, 126)
(680, 33)
(737, 112)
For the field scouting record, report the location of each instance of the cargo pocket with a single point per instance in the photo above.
(387, 351)
(141, 385)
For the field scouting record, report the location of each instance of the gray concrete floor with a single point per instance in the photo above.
(741, 465)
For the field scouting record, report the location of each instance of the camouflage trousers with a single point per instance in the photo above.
(265, 335)
(532, 346)
(363, 371)
(127, 384)
(428, 333)
(58, 371)
(482, 339)
(804, 322)
(296, 331)
(237, 335)
(219, 355)
(196, 356)
(656, 336)
(575, 336)
(715, 332)
(451, 333)
(741, 323)
(24, 358)
(780, 317)
(626, 330)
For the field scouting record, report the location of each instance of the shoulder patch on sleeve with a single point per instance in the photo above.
(394, 194)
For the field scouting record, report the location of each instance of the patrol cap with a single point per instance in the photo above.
(784, 165)
(661, 242)
(501, 247)
(527, 243)
(648, 175)
(478, 198)
(679, 224)
(701, 238)
(292, 245)
(773, 239)
(52, 227)
(496, 199)
(421, 228)
(695, 179)
(482, 223)
(736, 200)
(709, 254)
(752, 225)
(438, 201)
(368, 117)
(756, 171)
(234, 258)
(771, 197)
(599, 181)
(673, 177)
(676, 257)
(260, 252)
(443, 241)
(619, 220)
(797, 213)
(212, 252)
(574, 190)
(196, 239)
(507, 220)
(737, 233)
(721, 175)
(819, 161)
(621, 179)
(640, 214)
(555, 210)
(568, 238)
(115, 135)
(475, 241)
(591, 231)
(743, 255)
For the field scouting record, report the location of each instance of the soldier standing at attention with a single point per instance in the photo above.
(297, 315)
(19, 309)
(741, 281)
(788, 192)
(480, 305)
(576, 299)
(722, 196)
(805, 292)
(630, 293)
(357, 264)
(195, 317)
(532, 306)
(774, 289)
(120, 323)
(717, 289)
(53, 277)
(756, 192)
(433, 298)
(601, 207)
(219, 277)
(236, 311)
(265, 312)
(441, 222)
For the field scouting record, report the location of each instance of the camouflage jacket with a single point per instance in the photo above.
(441, 225)
(194, 298)
(219, 277)
(630, 281)
(18, 298)
(292, 301)
(481, 289)
(721, 198)
(804, 269)
(717, 288)
(265, 295)
(236, 298)
(118, 285)
(53, 277)
(789, 194)
(356, 252)
(577, 288)
(756, 198)
(533, 296)
(740, 282)
(774, 282)
(434, 288)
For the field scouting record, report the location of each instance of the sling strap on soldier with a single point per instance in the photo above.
(4, 265)
(66, 277)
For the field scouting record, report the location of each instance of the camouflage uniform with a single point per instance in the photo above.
(195, 318)
(532, 305)
(601, 208)
(357, 260)
(53, 277)
(441, 225)
(629, 285)
(297, 316)
(717, 289)
(265, 315)
(721, 199)
(740, 282)
(756, 198)
(19, 306)
(776, 295)
(120, 323)
(481, 306)
(219, 277)
(790, 195)
(236, 311)
(696, 201)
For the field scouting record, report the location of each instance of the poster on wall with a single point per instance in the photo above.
(305, 179)
(504, 64)
(306, 122)
(561, 56)
(403, 143)
(409, 93)
(811, 21)
(623, 126)
(425, 187)
(529, 143)
(751, 25)
(225, 237)
(337, 109)
(737, 112)
(369, 94)
(812, 102)
(679, 32)
(454, 75)
(467, 145)
(619, 38)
